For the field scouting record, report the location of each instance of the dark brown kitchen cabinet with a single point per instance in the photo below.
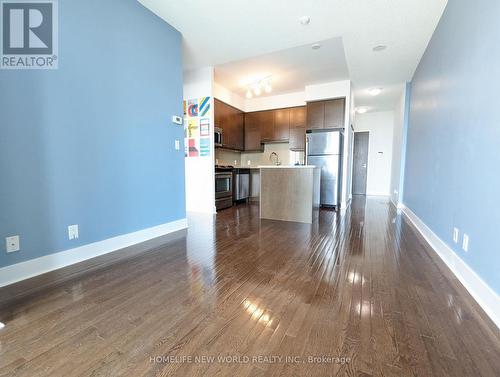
(252, 132)
(266, 122)
(297, 139)
(281, 130)
(315, 115)
(298, 121)
(334, 113)
(231, 120)
(233, 130)
(326, 114)
(275, 126)
(298, 118)
(218, 110)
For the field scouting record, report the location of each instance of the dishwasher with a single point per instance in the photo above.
(241, 184)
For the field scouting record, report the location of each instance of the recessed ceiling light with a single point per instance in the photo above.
(375, 91)
(379, 48)
(316, 46)
(361, 110)
(305, 20)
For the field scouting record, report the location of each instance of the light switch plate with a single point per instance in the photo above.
(12, 244)
(73, 232)
(465, 243)
(177, 145)
(455, 235)
(177, 120)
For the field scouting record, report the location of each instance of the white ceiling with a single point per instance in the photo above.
(223, 31)
(291, 69)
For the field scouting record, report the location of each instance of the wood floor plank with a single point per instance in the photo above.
(353, 294)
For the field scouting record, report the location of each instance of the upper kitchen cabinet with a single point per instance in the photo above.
(231, 121)
(275, 126)
(281, 130)
(315, 115)
(252, 132)
(259, 129)
(335, 113)
(326, 114)
(298, 118)
(298, 121)
(266, 122)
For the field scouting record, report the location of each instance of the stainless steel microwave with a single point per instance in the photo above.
(218, 137)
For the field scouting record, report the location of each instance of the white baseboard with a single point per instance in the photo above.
(479, 290)
(373, 193)
(398, 205)
(25, 270)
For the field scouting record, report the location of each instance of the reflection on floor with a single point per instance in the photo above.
(355, 295)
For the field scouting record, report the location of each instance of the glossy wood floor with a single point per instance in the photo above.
(362, 289)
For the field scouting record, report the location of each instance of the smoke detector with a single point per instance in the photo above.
(305, 20)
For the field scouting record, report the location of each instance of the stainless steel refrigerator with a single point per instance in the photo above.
(324, 149)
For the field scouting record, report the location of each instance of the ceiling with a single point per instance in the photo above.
(232, 31)
(291, 69)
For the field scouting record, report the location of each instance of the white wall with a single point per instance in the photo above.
(350, 161)
(276, 102)
(200, 172)
(397, 148)
(336, 89)
(229, 97)
(380, 126)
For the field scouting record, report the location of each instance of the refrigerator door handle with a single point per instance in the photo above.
(307, 151)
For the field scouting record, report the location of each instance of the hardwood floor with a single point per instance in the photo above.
(362, 289)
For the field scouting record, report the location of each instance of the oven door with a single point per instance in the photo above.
(223, 185)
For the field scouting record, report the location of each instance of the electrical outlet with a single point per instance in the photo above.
(249, 162)
(455, 235)
(177, 145)
(465, 243)
(12, 244)
(1, 325)
(73, 232)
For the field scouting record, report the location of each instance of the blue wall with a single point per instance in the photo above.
(92, 143)
(453, 151)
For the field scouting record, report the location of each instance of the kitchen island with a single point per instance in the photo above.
(289, 193)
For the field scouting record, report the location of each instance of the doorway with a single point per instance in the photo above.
(360, 164)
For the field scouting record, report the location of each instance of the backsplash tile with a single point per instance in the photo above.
(286, 157)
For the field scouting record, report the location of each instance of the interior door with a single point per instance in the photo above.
(360, 165)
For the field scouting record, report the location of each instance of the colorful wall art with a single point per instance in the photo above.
(197, 113)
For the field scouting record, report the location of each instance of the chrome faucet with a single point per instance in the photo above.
(277, 162)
